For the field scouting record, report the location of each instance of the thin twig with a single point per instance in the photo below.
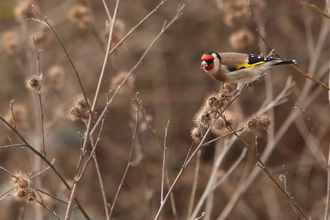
(164, 162)
(4, 195)
(202, 216)
(97, 92)
(43, 149)
(218, 138)
(42, 171)
(96, 163)
(104, 198)
(326, 210)
(12, 145)
(130, 160)
(54, 197)
(79, 172)
(194, 186)
(107, 10)
(164, 28)
(136, 26)
(264, 168)
(291, 65)
(52, 214)
(286, 124)
(172, 200)
(47, 162)
(312, 130)
(1, 168)
(314, 7)
(12, 112)
(211, 185)
(188, 158)
(186, 162)
(45, 22)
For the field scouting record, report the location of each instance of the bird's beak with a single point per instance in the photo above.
(204, 64)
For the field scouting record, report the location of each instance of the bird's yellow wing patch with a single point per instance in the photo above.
(246, 65)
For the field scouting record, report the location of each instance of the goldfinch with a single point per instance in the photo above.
(238, 68)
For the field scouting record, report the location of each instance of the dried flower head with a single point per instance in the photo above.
(197, 134)
(74, 114)
(80, 110)
(31, 196)
(127, 87)
(81, 15)
(213, 101)
(258, 122)
(10, 40)
(22, 180)
(20, 194)
(118, 32)
(56, 76)
(219, 128)
(34, 83)
(25, 10)
(241, 39)
(225, 96)
(23, 190)
(204, 117)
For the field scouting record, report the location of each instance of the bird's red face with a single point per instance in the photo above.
(207, 61)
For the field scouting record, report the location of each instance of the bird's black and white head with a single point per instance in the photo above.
(211, 62)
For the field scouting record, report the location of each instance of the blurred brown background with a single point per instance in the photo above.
(172, 87)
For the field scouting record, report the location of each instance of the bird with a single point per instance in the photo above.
(238, 68)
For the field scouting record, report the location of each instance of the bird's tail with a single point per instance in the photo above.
(281, 62)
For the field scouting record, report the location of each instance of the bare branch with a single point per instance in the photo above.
(45, 22)
(137, 102)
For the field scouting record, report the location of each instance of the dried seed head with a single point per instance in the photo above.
(34, 83)
(24, 10)
(10, 40)
(19, 194)
(81, 103)
(213, 102)
(56, 75)
(241, 39)
(258, 122)
(23, 190)
(80, 110)
(22, 180)
(74, 114)
(127, 87)
(31, 196)
(225, 97)
(204, 117)
(81, 15)
(197, 134)
(219, 127)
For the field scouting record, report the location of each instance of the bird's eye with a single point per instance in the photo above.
(209, 61)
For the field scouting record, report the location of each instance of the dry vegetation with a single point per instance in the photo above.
(82, 117)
